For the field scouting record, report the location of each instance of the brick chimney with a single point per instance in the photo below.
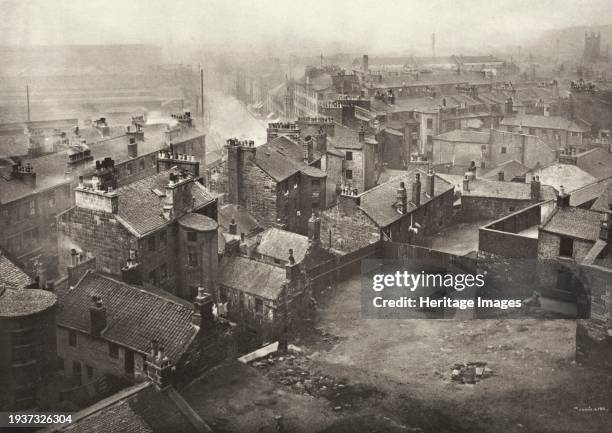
(95, 198)
(130, 273)
(136, 132)
(291, 268)
(605, 226)
(167, 160)
(466, 183)
(239, 153)
(416, 190)
(430, 183)
(97, 316)
(322, 140)
(25, 173)
(159, 368)
(79, 264)
(233, 227)
(132, 148)
(361, 134)
(563, 199)
(314, 229)
(500, 176)
(402, 198)
(307, 147)
(203, 310)
(179, 198)
(535, 188)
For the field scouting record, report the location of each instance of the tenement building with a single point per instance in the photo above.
(276, 189)
(161, 229)
(27, 341)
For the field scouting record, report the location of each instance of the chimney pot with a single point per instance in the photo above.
(416, 190)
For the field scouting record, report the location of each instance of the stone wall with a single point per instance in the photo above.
(346, 228)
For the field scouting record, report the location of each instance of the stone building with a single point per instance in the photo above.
(404, 209)
(274, 187)
(482, 199)
(108, 328)
(161, 230)
(28, 355)
(558, 132)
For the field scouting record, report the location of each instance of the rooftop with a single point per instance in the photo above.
(465, 136)
(603, 202)
(540, 121)
(11, 275)
(347, 138)
(140, 408)
(575, 222)
(568, 175)
(253, 277)
(597, 162)
(378, 202)
(275, 243)
(135, 315)
(480, 187)
(141, 208)
(16, 303)
(511, 169)
(279, 161)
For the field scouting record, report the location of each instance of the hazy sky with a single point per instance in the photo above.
(376, 25)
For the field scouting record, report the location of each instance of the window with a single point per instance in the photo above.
(60, 363)
(163, 272)
(532, 131)
(430, 139)
(163, 239)
(89, 370)
(153, 277)
(25, 398)
(113, 350)
(141, 164)
(76, 370)
(348, 174)
(574, 134)
(130, 168)
(192, 259)
(22, 337)
(349, 156)
(258, 306)
(192, 236)
(32, 207)
(72, 338)
(51, 199)
(429, 123)
(503, 149)
(566, 247)
(151, 243)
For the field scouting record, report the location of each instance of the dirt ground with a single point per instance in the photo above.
(360, 375)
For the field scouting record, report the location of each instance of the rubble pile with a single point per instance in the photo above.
(470, 372)
(293, 370)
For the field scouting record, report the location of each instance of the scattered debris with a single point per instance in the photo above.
(259, 353)
(470, 372)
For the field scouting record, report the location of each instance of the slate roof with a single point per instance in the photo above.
(138, 409)
(604, 200)
(280, 164)
(487, 188)
(465, 136)
(575, 222)
(540, 121)
(568, 175)
(11, 275)
(597, 162)
(135, 315)
(24, 302)
(378, 202)
(275, 243)
(347, 138)
(511, 169)
(141, 209)
(253, 277)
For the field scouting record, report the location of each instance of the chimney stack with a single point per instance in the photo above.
(605, 227)
(500, 176)
(535, 188)
(361, 134)
(307, 148)
(466, 183)
(291, 267)
(132, 148)
(563, 199)
(203, 310)
(97, 314)
(314, 229)
(159, 368)
(233, 227)
(402, 198)
(416, 190)
(431, 183)
(130, 273)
